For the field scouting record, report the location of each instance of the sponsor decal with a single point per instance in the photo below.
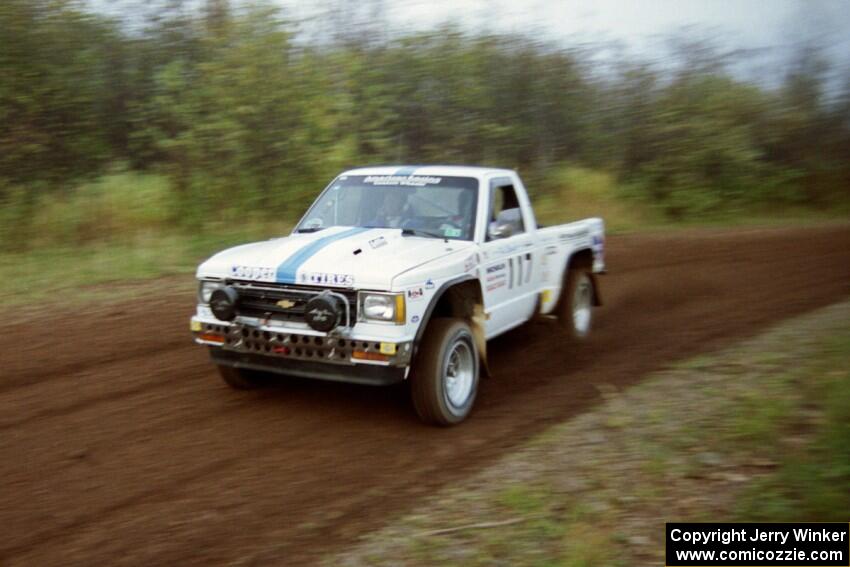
(415, 293)
(402, 180)
(452, 232)
(469, 263)
(551, 250)
(322, 278)
(597, 243)
(378, 242)
(496, 284)
(508, 249)
(286, 272)
(496, 272)
(414, 319)
(252, 273)
(574, 235)
(429, 284)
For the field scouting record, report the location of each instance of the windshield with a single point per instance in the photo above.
(422, 205)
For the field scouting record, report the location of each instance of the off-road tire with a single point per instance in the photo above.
(429, 382)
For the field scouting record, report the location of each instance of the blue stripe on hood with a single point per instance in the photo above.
(286, 272)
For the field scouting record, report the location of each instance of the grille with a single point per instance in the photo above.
(283, 302)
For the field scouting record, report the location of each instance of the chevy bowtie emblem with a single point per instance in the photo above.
(285, 303)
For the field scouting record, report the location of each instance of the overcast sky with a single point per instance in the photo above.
(640, 26)
(770, 28)
(753, 23)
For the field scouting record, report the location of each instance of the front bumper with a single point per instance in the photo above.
(369, 374)
(302, 352)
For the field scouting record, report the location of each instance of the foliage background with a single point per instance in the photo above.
(193, 118)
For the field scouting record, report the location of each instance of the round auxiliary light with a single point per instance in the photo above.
(223, 303)
(323, 312)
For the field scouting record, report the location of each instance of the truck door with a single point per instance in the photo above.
(508, 278)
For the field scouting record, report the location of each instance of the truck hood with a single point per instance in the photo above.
(363, 258)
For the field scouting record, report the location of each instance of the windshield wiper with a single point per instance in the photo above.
(418, 232)
(311, 229)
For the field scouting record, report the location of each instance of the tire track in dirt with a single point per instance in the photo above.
(37, 401)
(130, 460)
(52, 344)
(199, 474)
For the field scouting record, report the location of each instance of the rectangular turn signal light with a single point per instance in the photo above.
(211, 338)
(363, 355)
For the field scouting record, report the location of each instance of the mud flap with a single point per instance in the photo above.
(597, 298)
(538, 315)
(479, 317)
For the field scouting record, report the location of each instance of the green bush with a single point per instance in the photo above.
(116, 206)
(572, 192)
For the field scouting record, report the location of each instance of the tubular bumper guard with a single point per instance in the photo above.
(327, 357)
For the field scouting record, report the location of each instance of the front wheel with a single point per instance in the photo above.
(444, 383)
(240, 379)
(575, 307)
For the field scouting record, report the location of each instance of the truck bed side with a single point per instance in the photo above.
(566, 243)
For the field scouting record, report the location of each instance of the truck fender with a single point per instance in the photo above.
(577, 258)
(476, 319)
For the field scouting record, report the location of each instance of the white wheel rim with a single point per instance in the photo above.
(582, 303)
(459, 373)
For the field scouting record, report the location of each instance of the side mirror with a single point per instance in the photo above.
(498, 230)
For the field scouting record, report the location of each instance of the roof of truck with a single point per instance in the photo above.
(448, 170)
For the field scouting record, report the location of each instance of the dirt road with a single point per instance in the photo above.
(121, 446)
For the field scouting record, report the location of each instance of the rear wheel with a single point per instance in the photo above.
(575, 308)
(240, 379)
(444, 383)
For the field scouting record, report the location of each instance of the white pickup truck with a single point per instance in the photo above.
(398, 273)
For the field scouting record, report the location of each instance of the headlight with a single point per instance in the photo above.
(387, 307)
(205, 290)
